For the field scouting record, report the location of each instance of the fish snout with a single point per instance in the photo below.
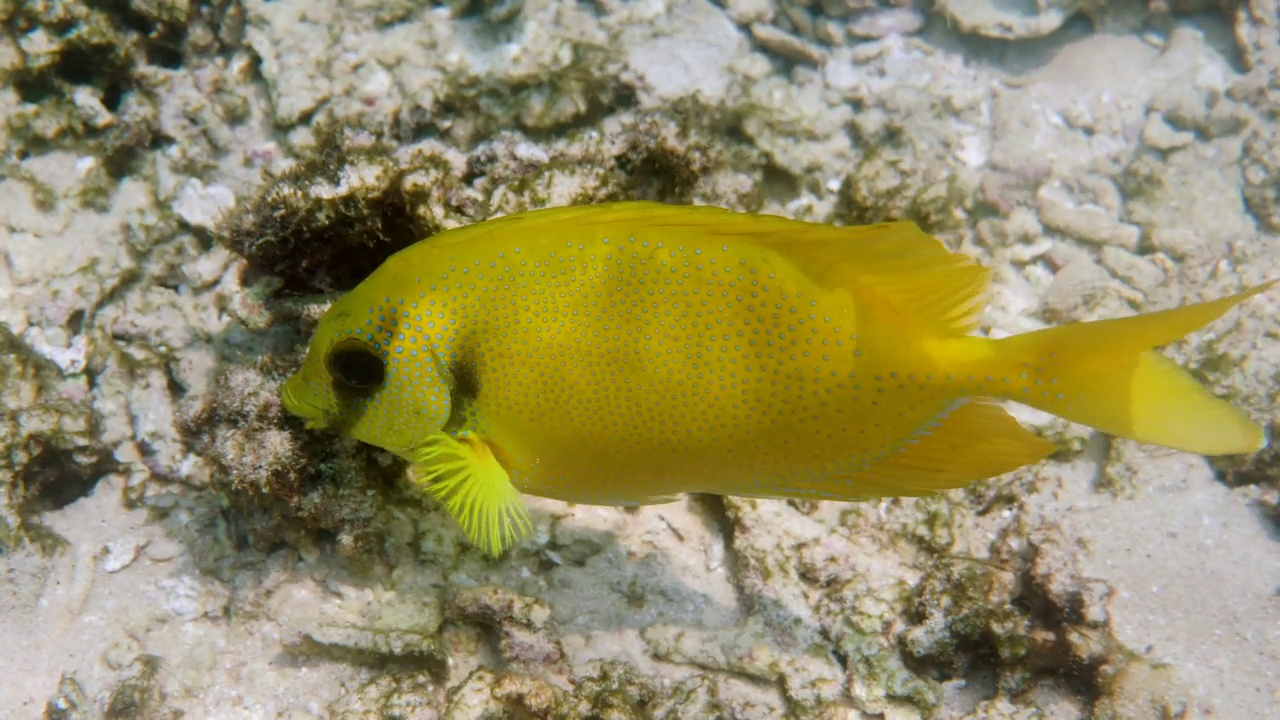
(295, 400)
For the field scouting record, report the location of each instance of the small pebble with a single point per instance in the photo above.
(786, 45)
(746, 12)
(1176, 242)
(883, 22)
(163, 549)
(844, 8)
(1138, 272)
(1159, 135)
(200, 206)
(120, 554)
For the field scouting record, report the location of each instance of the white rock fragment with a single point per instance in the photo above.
(353, 179)
(1022, 254)
(530, 153)
(973, 150)
(787, 46)
(120, 554)
(188, 598)
(746, 12)
(91, 108)
(883, 22)
(208, 268)
(200, 206)
(1007, 20)
(71, 360)
(85, 164)
(841, 75)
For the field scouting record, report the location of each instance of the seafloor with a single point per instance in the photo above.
(184, 181)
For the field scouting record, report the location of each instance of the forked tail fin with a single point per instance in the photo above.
(1106, 375)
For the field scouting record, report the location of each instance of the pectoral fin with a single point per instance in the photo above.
(464, 476)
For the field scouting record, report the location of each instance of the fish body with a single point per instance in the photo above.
(627, 353)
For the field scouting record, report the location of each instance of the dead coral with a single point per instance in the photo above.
(894, 185)
(392, 696)
(611, 690)
(49, 453)
(1261, 165)
(401, 650)
(1029, 616)
(520, 622)
(665, 161)
(1255, 23)
(83, 70)
(579, 95)
(648, 156)
(90, 76)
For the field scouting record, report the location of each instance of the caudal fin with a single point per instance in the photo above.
(1106, 375)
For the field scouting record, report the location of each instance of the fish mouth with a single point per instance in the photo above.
(313, 415)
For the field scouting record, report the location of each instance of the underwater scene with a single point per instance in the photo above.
(640, 359)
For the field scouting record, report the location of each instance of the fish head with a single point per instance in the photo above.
(363, 376)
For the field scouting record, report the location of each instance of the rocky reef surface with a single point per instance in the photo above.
(184, 185)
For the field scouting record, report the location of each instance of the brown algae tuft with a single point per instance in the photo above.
(328, 220)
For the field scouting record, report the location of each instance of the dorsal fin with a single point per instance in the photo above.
(905, 266)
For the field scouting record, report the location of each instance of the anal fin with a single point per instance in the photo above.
(974, 441)
(464, 476)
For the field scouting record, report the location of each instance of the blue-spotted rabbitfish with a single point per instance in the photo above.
(623, 354)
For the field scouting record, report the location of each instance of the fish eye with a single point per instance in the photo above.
(355, 366)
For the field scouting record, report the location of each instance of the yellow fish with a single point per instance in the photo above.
(623, 354)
